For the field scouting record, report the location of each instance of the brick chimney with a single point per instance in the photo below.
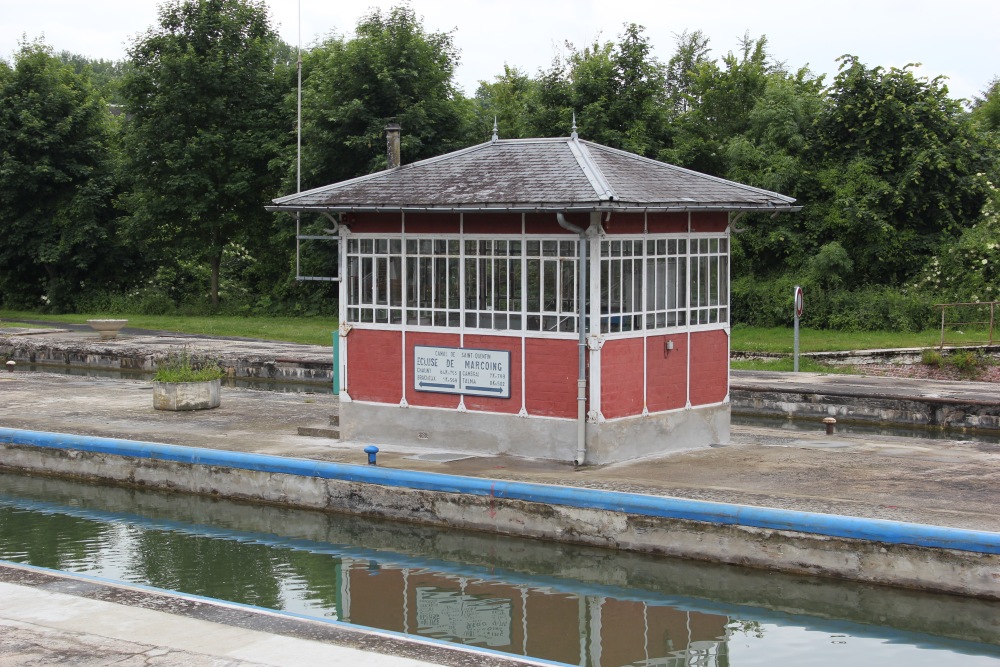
(392, 131)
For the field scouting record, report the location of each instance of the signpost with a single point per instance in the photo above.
(799, 303)
(457, 370)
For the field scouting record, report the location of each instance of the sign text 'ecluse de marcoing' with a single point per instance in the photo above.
(455, 370)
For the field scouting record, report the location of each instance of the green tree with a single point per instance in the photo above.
(57, 225)
(690, 55)
(391, 69)
(104, 74)
(203, 96)
(509, 100)
(616, 91)
(719, 102)
(986, 107)
(895, 162)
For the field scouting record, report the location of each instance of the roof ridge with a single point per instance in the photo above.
(598, 181)
(699, 174)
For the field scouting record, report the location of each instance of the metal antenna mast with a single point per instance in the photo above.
(298, 147)
(298, 121)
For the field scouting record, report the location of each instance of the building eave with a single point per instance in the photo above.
(610, 207)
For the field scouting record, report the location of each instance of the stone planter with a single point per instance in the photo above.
(107, 328)
(187, 395)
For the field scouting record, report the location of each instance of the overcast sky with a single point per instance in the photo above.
(957, 38)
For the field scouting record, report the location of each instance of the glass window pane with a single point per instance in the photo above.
(534, 285)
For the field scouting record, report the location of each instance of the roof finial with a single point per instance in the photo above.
(573, 135)
(495, 129)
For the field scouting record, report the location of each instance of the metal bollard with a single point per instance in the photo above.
(830, 422)
(371, 451)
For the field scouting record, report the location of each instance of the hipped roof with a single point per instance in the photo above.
(558, 174)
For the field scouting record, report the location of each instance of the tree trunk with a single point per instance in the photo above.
(215, 262)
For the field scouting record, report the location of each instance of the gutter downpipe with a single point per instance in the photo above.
(581, 381)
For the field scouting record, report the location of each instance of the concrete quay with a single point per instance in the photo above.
(139, 350)
(867, 399)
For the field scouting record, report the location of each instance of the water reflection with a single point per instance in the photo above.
(580, 606)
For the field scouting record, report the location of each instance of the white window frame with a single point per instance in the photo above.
(663, 282)
(708, 280)
(551, 311)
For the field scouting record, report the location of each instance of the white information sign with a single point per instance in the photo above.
(458, 370)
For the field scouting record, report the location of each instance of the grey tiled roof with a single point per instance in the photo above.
(535, 174)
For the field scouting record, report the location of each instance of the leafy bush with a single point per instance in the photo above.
(183, 367)
(968, 269)
(144, 301)
(931, 358)
(768, 303)
(967, 362)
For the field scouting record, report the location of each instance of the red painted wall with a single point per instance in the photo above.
(709, 221)
(667, 223)
(551, 367)
(433, 223)
(621, 378)
(626, 223)
(373, 362)
(546, 223)
(709, 367)
(666, 376)
(492, 223)
(374, 223)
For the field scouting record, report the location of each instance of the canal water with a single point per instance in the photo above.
(573, 605)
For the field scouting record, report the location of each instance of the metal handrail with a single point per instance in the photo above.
(991, 322)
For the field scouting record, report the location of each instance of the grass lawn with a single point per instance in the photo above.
(310, 330)
(781, 340)
(317, 330)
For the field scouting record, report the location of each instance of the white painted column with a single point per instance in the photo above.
(594, 339)
(345, 234)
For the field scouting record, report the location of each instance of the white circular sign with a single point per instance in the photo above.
(799, 301)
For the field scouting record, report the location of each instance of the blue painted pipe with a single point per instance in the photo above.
(874, 530)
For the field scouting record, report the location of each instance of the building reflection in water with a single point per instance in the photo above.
(567, 627)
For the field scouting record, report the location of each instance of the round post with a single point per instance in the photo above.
(799, 303)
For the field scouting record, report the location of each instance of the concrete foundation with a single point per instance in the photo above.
(537, 437)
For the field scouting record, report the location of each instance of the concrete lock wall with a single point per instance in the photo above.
(886, 409)
(885, 552)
